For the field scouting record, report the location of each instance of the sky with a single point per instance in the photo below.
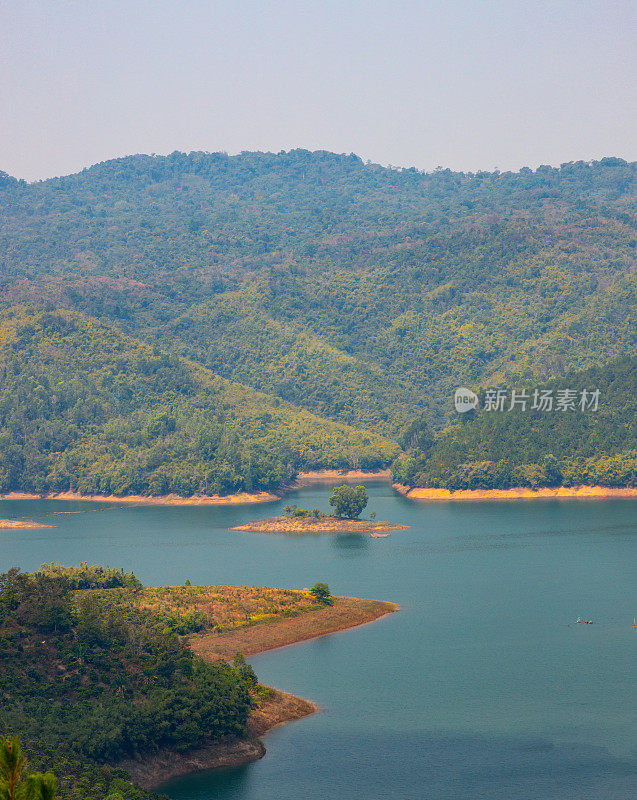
(463, 84)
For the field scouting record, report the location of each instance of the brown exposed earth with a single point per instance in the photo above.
(326, 524)
(151, 771)
(277, 708)
(347, 612)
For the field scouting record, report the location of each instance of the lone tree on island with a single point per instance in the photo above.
(348, 501)
(322, 593)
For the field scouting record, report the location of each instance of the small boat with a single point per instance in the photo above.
(634, 622)
(379, 535)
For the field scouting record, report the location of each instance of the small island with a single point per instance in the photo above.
(348, 502)
(323, 524)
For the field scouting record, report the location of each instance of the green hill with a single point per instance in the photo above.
(524, 447)
(281, 269)
(89, 678)
(85, 407)
(238, 338)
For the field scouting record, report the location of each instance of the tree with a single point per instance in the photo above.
(12, 764)
(13, 785)
(552, 470)
(41, 787)
(244, 669)
(321, 592)
(348, 501)
(417, 434)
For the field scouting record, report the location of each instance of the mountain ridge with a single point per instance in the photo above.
(426, 281)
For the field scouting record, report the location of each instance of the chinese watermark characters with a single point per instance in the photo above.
(524, 399)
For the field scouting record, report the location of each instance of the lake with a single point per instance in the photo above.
(481, 687)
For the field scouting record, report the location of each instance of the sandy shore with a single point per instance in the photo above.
(326, 524)
(21, 524)
(162, 500)
(557, 493)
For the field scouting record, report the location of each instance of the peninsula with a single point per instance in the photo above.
(173, 652)
(247, 620)
(297, 621)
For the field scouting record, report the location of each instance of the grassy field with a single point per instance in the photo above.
(222, 620)
(227, 607)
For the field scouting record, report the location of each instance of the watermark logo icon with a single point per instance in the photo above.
(465, 400)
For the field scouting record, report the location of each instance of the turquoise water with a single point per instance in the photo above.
(478, 688)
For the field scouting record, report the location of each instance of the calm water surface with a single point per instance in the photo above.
(479, 688)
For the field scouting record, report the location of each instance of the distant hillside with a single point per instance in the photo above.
(282, 269)
(524, 447)
(236, 337)
(85, 407)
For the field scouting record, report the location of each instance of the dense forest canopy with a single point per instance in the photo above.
(362, 293)
(87, 408)
(587, 442)
(88, 679)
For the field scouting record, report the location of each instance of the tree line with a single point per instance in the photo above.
(489, 449)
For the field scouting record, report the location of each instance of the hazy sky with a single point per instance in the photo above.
(467, 84)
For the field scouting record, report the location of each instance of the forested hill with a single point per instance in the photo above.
(363, 293)
(87, 408)
(567, 440)
(90, 676)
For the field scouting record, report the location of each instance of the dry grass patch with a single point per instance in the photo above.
(227, 607)
(310, 524)
(347, 612)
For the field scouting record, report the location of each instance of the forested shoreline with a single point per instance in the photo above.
(89, 679)
(85, 408)
(516, 447)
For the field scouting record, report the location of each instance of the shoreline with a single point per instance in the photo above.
(151, 500)
(521, 493)
(279, 708)
(241, 498)
(251, 640)
(18, 524)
